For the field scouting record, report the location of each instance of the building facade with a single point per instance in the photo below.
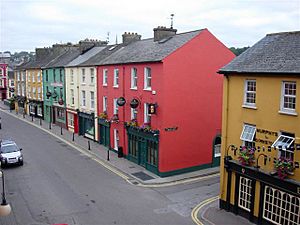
(3, 80)
(20, 89)
(54, 87)
(161, 114)
(260, 174)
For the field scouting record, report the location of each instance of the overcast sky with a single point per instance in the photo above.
(27, 24)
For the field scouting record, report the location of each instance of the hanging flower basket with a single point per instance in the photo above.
(115, 118)
(103, 115)
(284, 167)
(132, 123)
(146, 127)
(246, 156)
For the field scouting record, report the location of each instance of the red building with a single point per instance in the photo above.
(3, 81)
(171, 80)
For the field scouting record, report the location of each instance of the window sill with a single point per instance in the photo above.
(288, 113)
(116, 86)
(104, 85)
(133, 88)
(83, 84)
(147, 89)
(249, 106)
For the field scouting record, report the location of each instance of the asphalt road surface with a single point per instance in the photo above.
(59, 185)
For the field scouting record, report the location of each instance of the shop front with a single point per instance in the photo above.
(36, 108)
(87, 125)
(72, 120)
(143, 147)
(59, 116)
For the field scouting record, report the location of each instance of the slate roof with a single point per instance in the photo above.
(275, 53)
(34, 64)
(63, 59)
(84, 57)
(96, 59)
(149, 51)
(141, 51)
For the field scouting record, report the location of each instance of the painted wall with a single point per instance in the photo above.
(144, 96)
(266, 116)
(3, 81)
(192, 102)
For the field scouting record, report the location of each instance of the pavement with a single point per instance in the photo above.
(206, 212)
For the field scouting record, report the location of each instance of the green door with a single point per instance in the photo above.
(104, 135)
(142, 152)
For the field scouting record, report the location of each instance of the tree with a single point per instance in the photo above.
(238, 51)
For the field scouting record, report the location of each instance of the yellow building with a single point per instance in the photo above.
(260, 174)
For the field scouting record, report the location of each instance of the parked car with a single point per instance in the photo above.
(10, 153)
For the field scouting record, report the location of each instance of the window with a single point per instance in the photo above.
(116, 107)
(152, 151)
(72, 76)
(147, 79)
(92, 75)
(23, 89)
(18, 75)
(39, 76)
(39, 93)
(31, 109)
(83, 76)
(133, 113)
(12, 83)
(33, 77)
(288, 97)
(147, 117)
(61, 93)
(245, 186)
(116, 139)
(29, 76)
(92, 100)
(248, 133)
(1, 72)
(54, 75)
(83, 98)
(72, 96)
(47, 90)
(281, 207)
(19, 89)
(105, 73)
(71, 120)
(133, 78)
(283, 143)
(104, 104)
(61, 75)
(47, 78)
(250, 93)
(116, 77)
(39, 110)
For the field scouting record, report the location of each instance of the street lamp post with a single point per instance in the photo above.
(5, 208)
(48, 94)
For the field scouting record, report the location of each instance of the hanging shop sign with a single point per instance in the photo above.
(121, 101)
(171, 129)
(134, 103)
(151, 108)
(60, 101)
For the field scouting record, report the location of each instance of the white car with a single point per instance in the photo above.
(10, 153)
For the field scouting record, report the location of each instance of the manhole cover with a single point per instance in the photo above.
(143, 176)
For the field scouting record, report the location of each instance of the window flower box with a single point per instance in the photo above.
(246, 156)
(284, 167)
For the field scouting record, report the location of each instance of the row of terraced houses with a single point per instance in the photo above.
(176, 103)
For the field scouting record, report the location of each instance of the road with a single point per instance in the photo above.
(58, 184)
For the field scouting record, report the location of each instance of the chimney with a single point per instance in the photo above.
(87, 44)
(163, 32)
(130, 37)
(41, 53)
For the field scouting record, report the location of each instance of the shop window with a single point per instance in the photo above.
(71, 120)
(217, 147)
(89, 127)
(116, 139)
(133, 146)
(152, 153)
(245, 193)
(281, 207)
(39, 110)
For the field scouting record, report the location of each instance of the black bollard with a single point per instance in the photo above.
(41, 122)
(61, 133)
(73, 138)
(32, 118)
(49, 125)
(89, 145)
(0, 123)
(108, 154)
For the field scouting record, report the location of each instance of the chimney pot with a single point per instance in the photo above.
(162, 32)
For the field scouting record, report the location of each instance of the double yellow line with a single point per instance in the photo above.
(195, 211)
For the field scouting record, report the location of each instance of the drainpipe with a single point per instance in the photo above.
(123, 79)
